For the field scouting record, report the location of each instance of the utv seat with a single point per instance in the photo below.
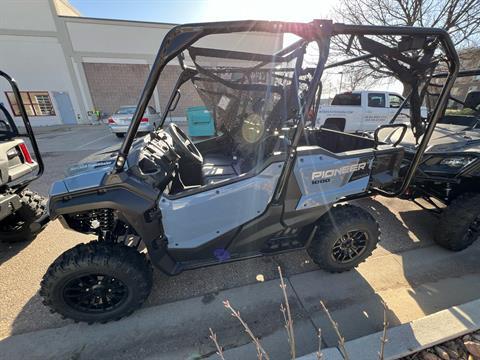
(217, 167)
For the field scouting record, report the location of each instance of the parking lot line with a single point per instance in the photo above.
(83, 146)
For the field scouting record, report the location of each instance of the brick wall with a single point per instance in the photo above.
(114, 85)
(189, 97)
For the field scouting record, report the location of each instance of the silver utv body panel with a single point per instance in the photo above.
(196, 219)
(324, 178)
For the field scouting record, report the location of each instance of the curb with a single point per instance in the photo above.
(413, 336)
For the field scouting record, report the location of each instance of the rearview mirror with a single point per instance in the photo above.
(390, 134)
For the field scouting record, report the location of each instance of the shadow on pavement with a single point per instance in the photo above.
(9, 250)
(408, 229)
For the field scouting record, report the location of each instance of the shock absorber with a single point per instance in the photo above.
(106, 219)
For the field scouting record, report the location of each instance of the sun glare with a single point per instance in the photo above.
(285, 10)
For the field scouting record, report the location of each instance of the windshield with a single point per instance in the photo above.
(130, 110)
(348, 99)
(250, 95)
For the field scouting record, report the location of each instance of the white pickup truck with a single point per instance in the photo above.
(360, 111)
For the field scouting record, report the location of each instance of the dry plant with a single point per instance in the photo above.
(383, 339)
(287, 315)
(213, 336)
(341, 339)
(260, 350)
(319, 352)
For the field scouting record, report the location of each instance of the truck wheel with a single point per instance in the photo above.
(459, 223)
(97, 282)
(345, 237)
(16, 227)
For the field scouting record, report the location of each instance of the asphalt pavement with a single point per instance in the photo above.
(407, 270)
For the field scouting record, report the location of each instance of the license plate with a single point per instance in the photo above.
(124, 121)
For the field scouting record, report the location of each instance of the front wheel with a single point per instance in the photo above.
(97, 282)
(17, 227)
(344, 237)
(459, 223)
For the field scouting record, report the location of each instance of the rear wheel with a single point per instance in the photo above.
(344, 238)
(97, 282)
(16, 227)
(459, 223)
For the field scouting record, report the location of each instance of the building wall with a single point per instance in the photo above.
(37, 64)
(27, 15)
(64, 8)
(33, 53)
(99, 63)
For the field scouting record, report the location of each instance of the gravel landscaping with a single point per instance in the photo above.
(463, 348)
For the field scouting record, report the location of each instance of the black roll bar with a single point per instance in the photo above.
(28, 128)
(180, 37)
(454, 67)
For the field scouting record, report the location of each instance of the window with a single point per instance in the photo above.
(376, 100)
(347, 99)
(37, 103)
(395, 100)
(126, 110)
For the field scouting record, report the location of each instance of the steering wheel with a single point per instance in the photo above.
(184, 145)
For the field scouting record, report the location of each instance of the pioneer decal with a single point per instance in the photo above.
(322, 176)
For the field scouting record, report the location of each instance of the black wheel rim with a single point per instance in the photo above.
(95, 293)
(349, 246)
(473, 231)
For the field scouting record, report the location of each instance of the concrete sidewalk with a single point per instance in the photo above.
(412, 337)
(413, 284)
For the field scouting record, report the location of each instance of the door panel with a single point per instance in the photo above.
(65, 107)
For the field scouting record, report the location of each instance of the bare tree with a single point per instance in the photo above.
(461, 18)
(357, 77)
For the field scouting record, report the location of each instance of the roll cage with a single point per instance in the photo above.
(413, 58)
(13, 130)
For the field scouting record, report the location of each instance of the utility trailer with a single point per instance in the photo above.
(266, 184)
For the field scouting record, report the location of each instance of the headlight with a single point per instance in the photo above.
(457, 162)
(446, 165)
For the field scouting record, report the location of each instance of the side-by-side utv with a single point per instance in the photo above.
(22, 212)
(265, 184)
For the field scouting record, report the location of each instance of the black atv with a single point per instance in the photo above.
(22, 212)
(448, 177)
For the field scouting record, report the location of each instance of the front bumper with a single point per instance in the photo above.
(122, 129)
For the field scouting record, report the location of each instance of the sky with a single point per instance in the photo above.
(183, 11)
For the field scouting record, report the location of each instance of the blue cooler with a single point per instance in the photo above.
(200, 121)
